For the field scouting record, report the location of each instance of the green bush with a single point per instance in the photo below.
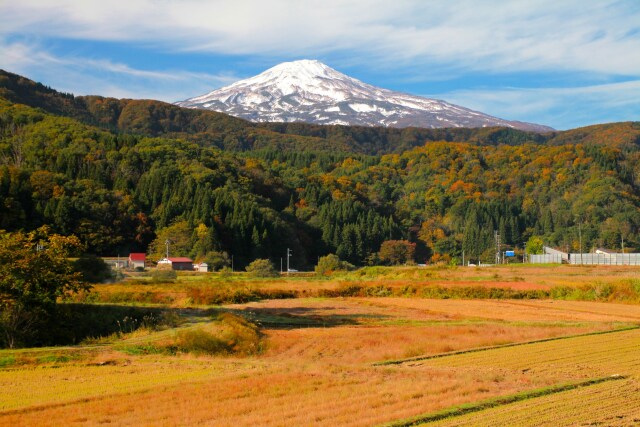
(330, 263)
(93, 269)
(262, 268)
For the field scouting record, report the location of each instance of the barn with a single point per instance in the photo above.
(176, 263)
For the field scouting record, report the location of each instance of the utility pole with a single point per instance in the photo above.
(166, 242)
(580, 238)
(288, 255)
(463, 257)
(280, 265)
(497, 238)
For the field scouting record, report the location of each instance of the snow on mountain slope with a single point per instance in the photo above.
(309, 91)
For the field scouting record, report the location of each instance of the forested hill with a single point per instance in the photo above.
(126, 183)
(155, 118)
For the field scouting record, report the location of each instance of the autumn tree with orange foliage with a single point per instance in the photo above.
(397, 252)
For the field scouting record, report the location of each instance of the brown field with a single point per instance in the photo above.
(316, 364)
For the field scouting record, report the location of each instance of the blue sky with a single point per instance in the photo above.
(560, 63)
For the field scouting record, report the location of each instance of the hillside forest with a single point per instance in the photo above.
(123, 176)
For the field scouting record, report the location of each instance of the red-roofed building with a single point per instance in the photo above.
(137, 260)
(176, 263)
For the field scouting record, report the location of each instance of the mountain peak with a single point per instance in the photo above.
(311, 66)
(309, 91)
(289, 77)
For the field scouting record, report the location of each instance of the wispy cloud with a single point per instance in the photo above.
(491, 35)
(87, 76)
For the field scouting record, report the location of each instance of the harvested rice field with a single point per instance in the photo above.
(347, 360)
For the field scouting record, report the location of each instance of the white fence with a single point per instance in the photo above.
(604, 259)
(545, 259)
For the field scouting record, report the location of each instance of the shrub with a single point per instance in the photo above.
(93, 269)
(229, 334)
(217, 295)
(330, 263)
(262, 268)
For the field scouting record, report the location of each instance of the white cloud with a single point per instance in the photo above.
(562, 108)
(489, 35)
(84, 76)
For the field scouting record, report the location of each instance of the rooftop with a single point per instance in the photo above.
(137, 256)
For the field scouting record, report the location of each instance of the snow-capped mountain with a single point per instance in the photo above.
(309, 91)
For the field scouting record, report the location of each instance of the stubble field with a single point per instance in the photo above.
(354, 361)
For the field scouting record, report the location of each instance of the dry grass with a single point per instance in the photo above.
(311, 362)
(614, 403)
(272, 395)
(357, 330)
(606, 404)
(528, 310)
(317, 370)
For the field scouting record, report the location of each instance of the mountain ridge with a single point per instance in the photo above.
(312, 92)
(209, 128)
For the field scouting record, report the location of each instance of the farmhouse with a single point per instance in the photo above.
(137, 260)
(176, 263)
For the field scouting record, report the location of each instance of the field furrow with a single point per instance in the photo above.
(608, 404)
